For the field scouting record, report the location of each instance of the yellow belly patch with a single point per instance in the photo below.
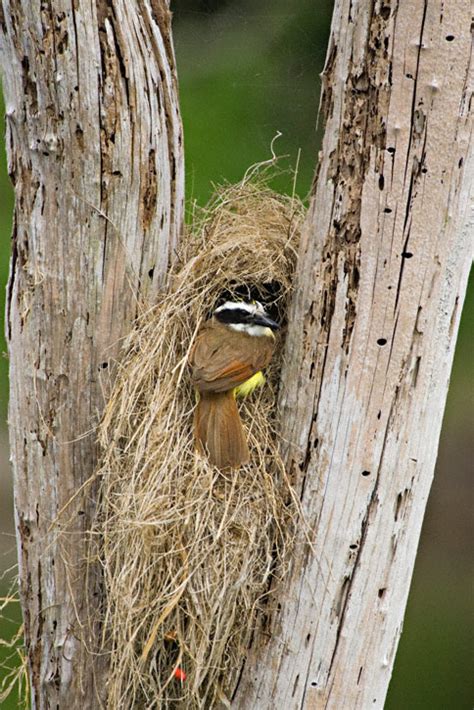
(249, 385)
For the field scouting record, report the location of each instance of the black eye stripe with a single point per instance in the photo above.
(234, 315)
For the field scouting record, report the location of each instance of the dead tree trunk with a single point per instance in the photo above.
(94, 142)
(94, 147)
(382, 278)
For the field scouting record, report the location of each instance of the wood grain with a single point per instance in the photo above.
(95, 154)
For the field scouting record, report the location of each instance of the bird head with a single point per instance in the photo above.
(250, 318)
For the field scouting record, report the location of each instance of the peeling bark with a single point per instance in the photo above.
(95, 154)
(384, 265)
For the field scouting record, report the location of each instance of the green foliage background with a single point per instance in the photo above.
(247, 70)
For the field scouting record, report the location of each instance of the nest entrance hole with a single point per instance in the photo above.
(270, 295)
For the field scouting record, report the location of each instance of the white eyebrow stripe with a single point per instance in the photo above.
(236, 306)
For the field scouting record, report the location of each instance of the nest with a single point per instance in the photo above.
(189, 552)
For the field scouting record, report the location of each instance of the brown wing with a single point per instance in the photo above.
(221, 358)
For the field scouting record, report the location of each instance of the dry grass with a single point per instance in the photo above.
(189, 552)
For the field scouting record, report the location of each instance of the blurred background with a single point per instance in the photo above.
(247, 69)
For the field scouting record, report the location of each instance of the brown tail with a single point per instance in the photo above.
(218, 430)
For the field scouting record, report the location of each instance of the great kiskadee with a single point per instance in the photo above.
(226, 360)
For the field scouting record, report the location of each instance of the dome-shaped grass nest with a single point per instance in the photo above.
(189, 552)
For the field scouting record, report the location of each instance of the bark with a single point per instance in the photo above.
(95, 155)
(382, 278)
(94, 142)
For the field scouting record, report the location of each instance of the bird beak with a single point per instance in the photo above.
(260, 319)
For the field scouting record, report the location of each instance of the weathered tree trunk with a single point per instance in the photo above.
(94, 141)
(383, 271)
(94, 146)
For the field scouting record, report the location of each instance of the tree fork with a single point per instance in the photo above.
(372, 329)
(95, 154)
(94, 141)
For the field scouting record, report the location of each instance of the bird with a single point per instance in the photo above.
(226, 361)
